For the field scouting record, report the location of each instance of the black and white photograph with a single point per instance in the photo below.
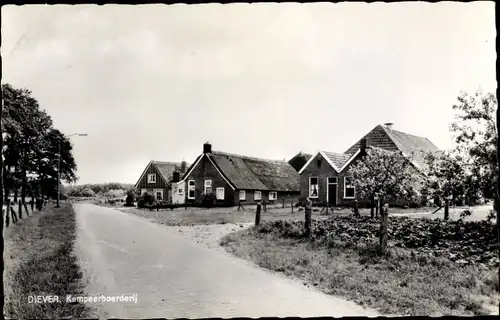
(268, 159)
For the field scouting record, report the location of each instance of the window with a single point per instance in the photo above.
(220, 193)
(191, 189)
(257, 195)
(208, 186)
(243, 195)
(273, 195)
(158, 194)
(318, 163)
(348, 188)
(313, 187)
(152, 178)
(332, 180)
(180, 190)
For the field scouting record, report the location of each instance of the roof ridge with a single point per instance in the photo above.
(248, 157)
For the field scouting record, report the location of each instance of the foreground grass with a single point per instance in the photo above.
(399, 284)
(39, 261)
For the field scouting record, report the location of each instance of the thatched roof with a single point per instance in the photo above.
(255, 173)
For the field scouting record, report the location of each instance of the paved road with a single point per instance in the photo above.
(173, 277)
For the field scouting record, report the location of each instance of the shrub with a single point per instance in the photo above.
(209, 200)
(129, 201)
(148, 199)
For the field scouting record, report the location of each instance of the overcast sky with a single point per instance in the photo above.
(154, 82)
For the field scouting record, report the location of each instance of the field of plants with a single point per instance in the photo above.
(461, 242)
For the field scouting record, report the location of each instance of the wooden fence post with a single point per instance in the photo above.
(307, 225)
(257, 215)
(292, 206)
(32, 203)
(283, 203)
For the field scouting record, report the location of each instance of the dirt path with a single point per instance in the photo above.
(121, 254)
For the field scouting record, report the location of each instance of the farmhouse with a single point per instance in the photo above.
(157, 177)
(234, 179)
(299, 160)
(324, 177)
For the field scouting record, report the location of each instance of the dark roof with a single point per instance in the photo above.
(255, 173)
(301, 154)
(396, 140)
(339, 159)
(299, 160)
(167, 169)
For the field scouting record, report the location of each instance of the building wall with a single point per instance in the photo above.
(322, 172)
(250, 197)
(159, 184)
(205, 170)
(178, 192)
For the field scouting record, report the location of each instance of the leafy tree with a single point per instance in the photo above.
(447, 179)
(385, 174)
(476, 139)
(32, 146)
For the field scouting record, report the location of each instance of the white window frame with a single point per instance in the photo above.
(207, 184)
(310, 193)
(243, 195)
(191, 188)
(217, 193)
(273, 193)
(348, 186)
(155, 192)
(180, 191)
(255, 195)
(151, 177)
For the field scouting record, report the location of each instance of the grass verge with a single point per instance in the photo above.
(398, 284)
(39, 262)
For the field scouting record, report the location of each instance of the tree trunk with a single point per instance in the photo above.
(446, 210)
(20, 209)
(307, 224)
(377, 207)
(6, 195)
(257, 214)
(372, 209)
(384, 222)
(16, 192)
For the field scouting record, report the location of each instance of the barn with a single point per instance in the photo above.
(234, 179)
(157, 177)
(324, 178)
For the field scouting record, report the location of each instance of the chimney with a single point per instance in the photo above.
(183, 166)
(176, 176)
(389, 125)
(362, 146)
(207, 147)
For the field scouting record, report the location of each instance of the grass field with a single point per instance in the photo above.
(200, 216)
(39, 261)
(398, 284)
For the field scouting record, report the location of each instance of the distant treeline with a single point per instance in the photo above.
(111, 190)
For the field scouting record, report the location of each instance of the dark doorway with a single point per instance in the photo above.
(332, 194)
